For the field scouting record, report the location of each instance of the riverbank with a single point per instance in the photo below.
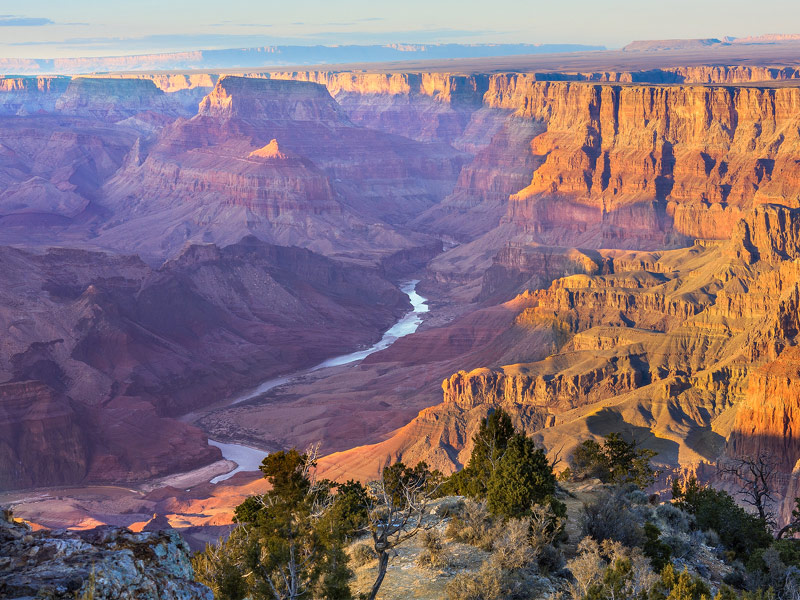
(248, 458)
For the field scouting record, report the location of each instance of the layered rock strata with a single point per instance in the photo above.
(690, 351)
(100, 350)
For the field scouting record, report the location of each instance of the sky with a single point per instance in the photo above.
(67, 28)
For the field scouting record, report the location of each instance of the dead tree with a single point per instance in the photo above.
(397, 508)
(793, 526)
(756, 476)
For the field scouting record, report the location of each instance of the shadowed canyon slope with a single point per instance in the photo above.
(101, 350)
(602, 250)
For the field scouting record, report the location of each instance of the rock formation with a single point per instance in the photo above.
(201, 181)
(683, 349)
(113, 99)
(106, 563)
(620, 255)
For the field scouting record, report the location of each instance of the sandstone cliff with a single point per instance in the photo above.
(683, 349)
(113, 99)
(342, 189)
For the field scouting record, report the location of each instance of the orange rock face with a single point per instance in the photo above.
(629, 157)
(691, 351)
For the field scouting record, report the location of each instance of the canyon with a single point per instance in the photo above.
(603, 247)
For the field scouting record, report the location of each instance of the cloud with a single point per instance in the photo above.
(234, 24)
(17, 21)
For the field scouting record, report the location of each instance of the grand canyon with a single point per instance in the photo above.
(202, 266)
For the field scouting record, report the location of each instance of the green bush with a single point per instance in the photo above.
(615, 461)
(523, 477)
(488, 445)
(657, 551)
(739, 531)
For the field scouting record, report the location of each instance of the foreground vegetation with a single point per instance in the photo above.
(501, 528)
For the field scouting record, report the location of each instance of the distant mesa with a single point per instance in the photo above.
(271, 150)
(769, 38)
(662, 45)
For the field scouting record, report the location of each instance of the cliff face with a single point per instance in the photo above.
(42, 436)
(272, 100)
(626, 157)
(26, 95)
(52, 167)
(681, 349)
(564, 160)
(113, 99)
(610, 165)
(336, 188)
(767, 424)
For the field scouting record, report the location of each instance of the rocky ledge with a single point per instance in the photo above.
(101, 563)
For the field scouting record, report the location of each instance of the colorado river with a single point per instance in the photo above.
(247, 458)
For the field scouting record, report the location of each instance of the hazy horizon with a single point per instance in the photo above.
(90, 28)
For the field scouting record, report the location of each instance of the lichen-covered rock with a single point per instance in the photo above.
(107, 562)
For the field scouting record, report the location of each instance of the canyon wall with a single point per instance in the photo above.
(605, 164)
(102, 350)
(690, 351)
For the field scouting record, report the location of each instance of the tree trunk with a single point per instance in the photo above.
(383, 564)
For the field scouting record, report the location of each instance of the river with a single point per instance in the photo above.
(248, 458)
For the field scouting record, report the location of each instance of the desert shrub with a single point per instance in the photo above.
(788, 551)
(434, 554)
(473, 526)
(587, 567)
(614, 461)
(362, 554)
(657, 551)
(486, 584)
(681, 544)
(679, 586)
(775, 568)
(674, 518)
(545, 531)
(739, 531)
(609, 517)
(450, 507)
(636, 497)
(550, 559)
(736, 578)
(609, 570)
(711, 538)
(512, 549)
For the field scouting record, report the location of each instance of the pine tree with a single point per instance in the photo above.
(523, 477)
